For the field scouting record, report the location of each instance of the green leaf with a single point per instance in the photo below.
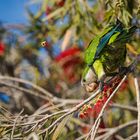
(60, 127)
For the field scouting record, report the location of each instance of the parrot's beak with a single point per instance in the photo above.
(90, 87)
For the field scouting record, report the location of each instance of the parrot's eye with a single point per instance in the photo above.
(84, 80)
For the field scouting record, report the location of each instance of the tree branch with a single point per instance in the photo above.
(115, 130)
(126, 107)
(138, 105)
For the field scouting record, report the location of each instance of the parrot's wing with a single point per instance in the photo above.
(92, 47)
(105, 39)
(96, 46)
(91, 50)
(126, 35)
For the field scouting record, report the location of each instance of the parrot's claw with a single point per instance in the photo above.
(102, 82)
(101, 85)
(123, 70)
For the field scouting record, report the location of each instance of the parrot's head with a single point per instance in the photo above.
(89, 79)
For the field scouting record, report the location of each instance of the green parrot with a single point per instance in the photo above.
(105, 55)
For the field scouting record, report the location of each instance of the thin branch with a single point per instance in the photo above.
(37, 121)
(48, 94)
(110, 131)
(132, 136)
(23, 90)
(12, 133)
(126, 107)
(118, 137)
(138, 105)
(82, 137)
(116, 129)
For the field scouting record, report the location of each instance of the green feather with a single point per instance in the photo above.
(92, 47)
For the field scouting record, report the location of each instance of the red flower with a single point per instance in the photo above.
(66, 53)
(123, 86)
(70, 62)
(85, 129)
(82, 116)
(60, 3)
(48, 10)
(105, 88)
(2, 48)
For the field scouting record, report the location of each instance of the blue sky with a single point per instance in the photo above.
(13, 11)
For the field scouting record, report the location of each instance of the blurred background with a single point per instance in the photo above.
(67, 27)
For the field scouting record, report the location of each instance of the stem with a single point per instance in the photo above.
(126, 107)
(138, 105)
(12, 133)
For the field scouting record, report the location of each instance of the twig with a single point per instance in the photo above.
(110, 131)
(82, 137)
(66, 39)
(56, 12)
(126, 107)
(115, 130)
(23, 90)
(132, 136)
(96, 124)
(118, 137)
(74, 109)
(66, 101)
(48, 94)
(37, 121)
(12, 133)
(138, 105)
(32, 136)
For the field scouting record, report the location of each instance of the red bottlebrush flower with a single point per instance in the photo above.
(123, 86)
(66, 53)
(2, 48)
(86, 114)
(70, 62)
(105, 88)
(85, 129)
(110, 90)
(48, 10)
(60, 3)
(90, 111)
(82, 116)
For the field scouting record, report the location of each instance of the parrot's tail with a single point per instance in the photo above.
(132, 30)
(126, 35)
(120, 25)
